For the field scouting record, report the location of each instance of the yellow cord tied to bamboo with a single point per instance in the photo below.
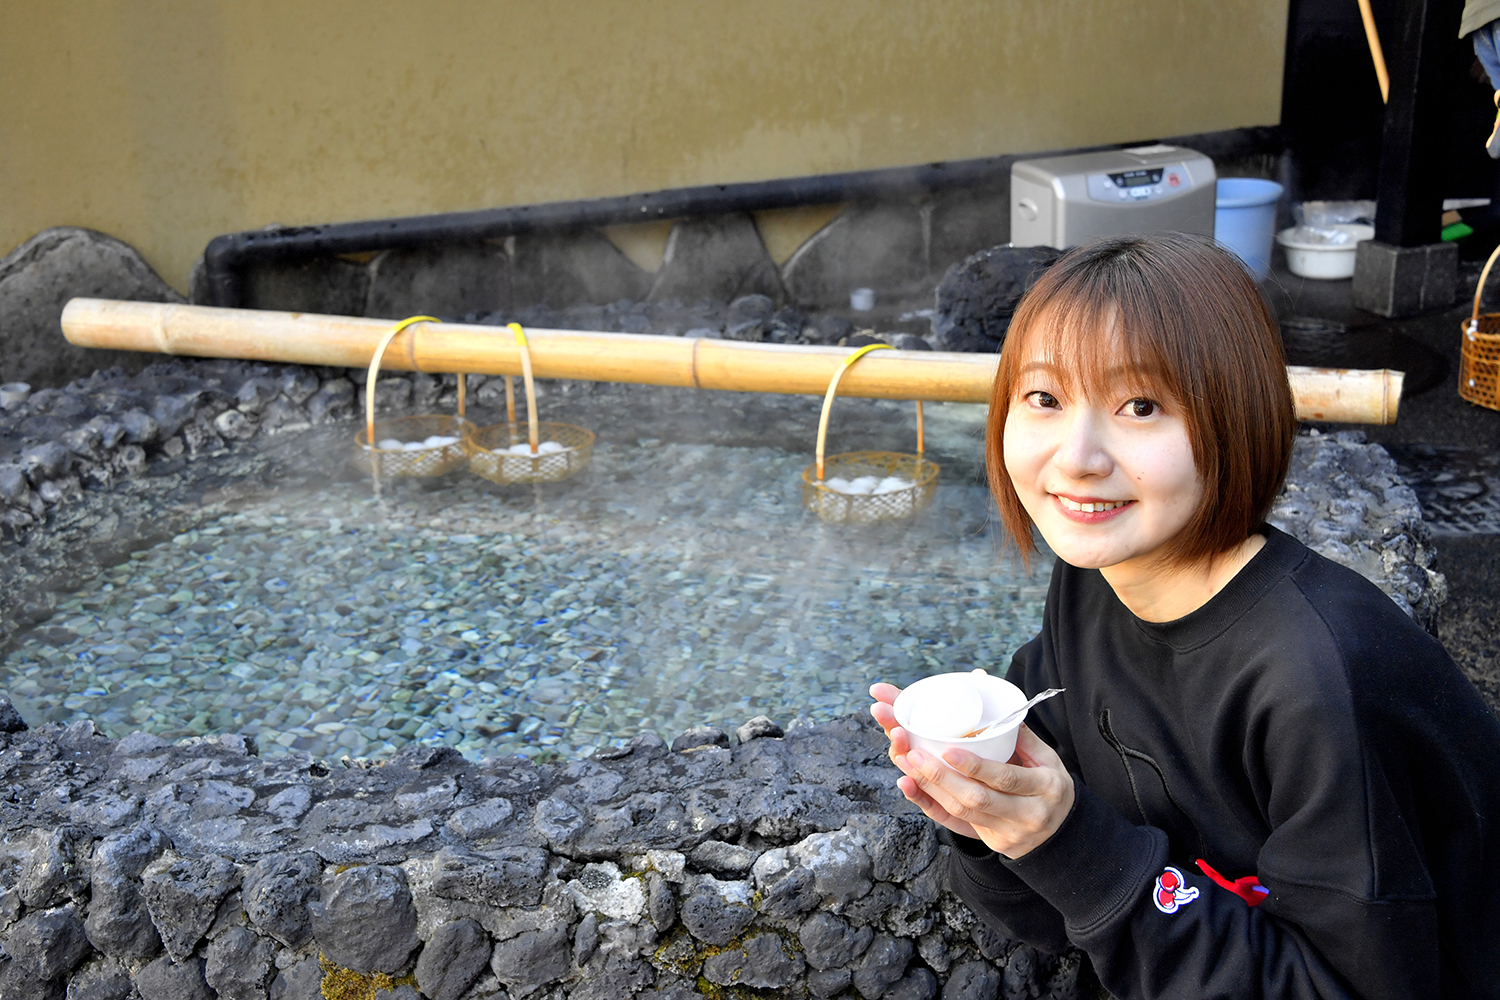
(874, 485)
(416, 456)
(492, 454)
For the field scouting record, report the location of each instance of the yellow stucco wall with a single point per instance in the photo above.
(167, 122)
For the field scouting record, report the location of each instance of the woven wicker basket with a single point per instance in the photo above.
(862, 508)
(1479, 354)
(489, 447)
(434, 461)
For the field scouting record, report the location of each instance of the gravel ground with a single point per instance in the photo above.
(673, 584)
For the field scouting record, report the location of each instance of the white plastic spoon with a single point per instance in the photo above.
(1014, 714)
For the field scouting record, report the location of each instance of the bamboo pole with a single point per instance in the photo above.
(1377, 54)
(1334, 395)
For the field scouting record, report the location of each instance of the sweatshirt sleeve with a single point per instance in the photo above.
(1331, 924)
(980, 877)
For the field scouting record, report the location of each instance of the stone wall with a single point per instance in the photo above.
(771, 862)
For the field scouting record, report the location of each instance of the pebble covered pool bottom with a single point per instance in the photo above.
(671, 585)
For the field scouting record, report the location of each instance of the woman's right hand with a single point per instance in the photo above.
(885, 697)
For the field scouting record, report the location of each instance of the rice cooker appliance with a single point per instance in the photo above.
(1062, 201)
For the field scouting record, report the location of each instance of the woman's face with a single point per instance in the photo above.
(1108, 481)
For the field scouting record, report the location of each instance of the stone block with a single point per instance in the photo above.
(883, 246)
(276, 892)
(446, 281)
(899, 846)
(883, 965)
(715, 913)
(564, 269)
(716, 257)
(100, 979)
(165, 979)
(700, 736)
(452, 960)
(829, 942)
(301, 980)
(1395, 281)
(328, 285)
(763, 962)
(366, 921)
(183, 896)
(532, 959)
(661, 904)
(976, 298)
(237, 964)
(512, 876)
(58, 869)
(839, 865)
(47, 944)
(723, 860)
(38, 278)
(973, 981)
(759, 728)
(119, 923)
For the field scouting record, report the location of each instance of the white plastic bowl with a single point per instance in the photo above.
(1327, 261)
(1000, 696)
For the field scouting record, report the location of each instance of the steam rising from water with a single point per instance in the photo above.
(672, 585)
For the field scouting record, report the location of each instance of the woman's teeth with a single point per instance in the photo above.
(1092, 508)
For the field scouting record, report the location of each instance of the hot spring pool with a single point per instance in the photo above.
(678, 582)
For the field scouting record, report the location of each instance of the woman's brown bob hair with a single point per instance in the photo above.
(1194, 332)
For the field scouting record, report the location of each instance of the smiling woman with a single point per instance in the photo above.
(1136, 366)
(1234, 702)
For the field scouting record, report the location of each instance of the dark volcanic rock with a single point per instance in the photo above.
(712, 918)
(47, 944)
(531, 959)
(452, 960)
(366, 921)
(976, 298)
(237, 964)
(183, 895)
(700, 736)
(38, 278)
(276, 893)
(119, 922)
(165, 979)
(763, 962)
(58, 870)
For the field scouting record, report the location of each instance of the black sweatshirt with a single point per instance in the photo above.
(1298, 728)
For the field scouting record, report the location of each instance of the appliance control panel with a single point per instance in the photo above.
(1142, 184)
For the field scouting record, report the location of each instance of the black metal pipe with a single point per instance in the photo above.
(226, 255)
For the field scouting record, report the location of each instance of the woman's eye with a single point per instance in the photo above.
(1043, 399)
(1141, 407)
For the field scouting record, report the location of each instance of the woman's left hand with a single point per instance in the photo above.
(1012, 807)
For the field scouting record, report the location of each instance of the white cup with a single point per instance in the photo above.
(862, 299)
(13, 394)
(998, 695)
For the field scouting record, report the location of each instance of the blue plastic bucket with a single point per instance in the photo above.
(1245, 220)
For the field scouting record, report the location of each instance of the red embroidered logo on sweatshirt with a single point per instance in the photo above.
(1172, 891)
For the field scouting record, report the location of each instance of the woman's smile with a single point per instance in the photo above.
(1090, 510)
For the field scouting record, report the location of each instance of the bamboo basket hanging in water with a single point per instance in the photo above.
(863, 486)
(1479, 355)
(434, 459)
(547, 453)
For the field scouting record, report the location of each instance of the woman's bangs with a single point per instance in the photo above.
(1093, 346)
